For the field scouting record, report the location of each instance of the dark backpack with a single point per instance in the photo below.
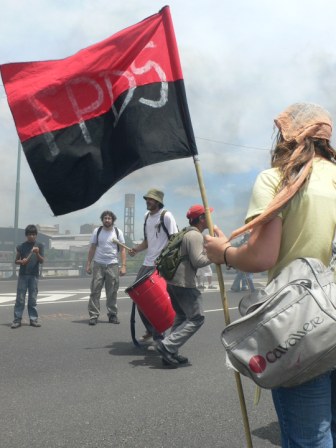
(116, 231)
(162, 224)
(170, 257)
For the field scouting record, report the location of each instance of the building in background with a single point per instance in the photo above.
(63, 250)
(48, 230)
(87, 228)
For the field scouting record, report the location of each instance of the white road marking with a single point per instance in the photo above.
(49, 297)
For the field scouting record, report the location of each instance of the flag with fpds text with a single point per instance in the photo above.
(89, 120)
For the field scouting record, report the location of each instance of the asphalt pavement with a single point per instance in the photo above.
(68, 384)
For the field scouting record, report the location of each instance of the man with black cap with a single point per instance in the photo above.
(159, 225)
(185, 297)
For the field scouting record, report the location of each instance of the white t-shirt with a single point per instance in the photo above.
(156, 235)
(106, 250)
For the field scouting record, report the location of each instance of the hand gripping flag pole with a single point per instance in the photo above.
(224, 301)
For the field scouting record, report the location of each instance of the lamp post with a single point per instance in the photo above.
(17, 200)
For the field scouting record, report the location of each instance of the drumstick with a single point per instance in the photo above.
(30, 254)
(120, 244)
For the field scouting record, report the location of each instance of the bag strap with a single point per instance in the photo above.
(162, 224)
(98, 232)
(117, 233)
(332, 264)
(144, 226)
(132, 324)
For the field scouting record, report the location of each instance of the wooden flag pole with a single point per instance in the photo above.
(224, 301)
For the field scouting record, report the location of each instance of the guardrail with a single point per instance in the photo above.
(7, 273)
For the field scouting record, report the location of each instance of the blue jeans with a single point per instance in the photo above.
(30, 283)
(246, 279)
(307, 413)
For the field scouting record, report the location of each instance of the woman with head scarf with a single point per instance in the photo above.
(292, 214)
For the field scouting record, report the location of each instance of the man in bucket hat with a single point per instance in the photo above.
(185, 296)
(159, 225)
(157, 195)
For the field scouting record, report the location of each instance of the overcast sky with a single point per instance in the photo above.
(243, 63)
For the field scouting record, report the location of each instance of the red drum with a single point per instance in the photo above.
(151, 296)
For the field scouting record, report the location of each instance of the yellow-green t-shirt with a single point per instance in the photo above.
(308, 220)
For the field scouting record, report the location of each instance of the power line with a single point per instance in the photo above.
(2, 95)
(233, 144)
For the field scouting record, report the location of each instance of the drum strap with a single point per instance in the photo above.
(132, 322)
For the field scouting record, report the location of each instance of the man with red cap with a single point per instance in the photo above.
(186, 298)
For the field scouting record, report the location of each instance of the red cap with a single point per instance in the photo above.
(196, 210)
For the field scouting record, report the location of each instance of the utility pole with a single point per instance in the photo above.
(17, 200)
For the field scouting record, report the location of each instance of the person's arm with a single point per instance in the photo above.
(91, 253)
(39, 254)
(19, 260)
(138, 248)
(195, 249)
(259, 254)
(123, 261)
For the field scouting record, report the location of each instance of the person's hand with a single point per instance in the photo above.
(24, 261)
(35, 249)
(132, 252)
(88, 269)
(122, 270)
(215, 246)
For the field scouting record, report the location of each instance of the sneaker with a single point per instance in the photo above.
(35, 323)
(166, 355)
(93, 321)
(212, 287)
(179, 358)
(152, 347)
(113, 319)
(146, 337)
(244, 289)
(16, 324)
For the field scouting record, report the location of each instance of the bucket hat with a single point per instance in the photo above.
(157, 195)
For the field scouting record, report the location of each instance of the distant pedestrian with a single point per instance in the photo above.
(29, 256)
(201, 275)
(104, 252)
(243, 281)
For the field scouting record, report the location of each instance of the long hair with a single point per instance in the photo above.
(289, 166)
(294, 161)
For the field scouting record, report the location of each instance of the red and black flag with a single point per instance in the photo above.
(89, 120)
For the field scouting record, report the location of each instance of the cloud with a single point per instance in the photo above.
(243, 62)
